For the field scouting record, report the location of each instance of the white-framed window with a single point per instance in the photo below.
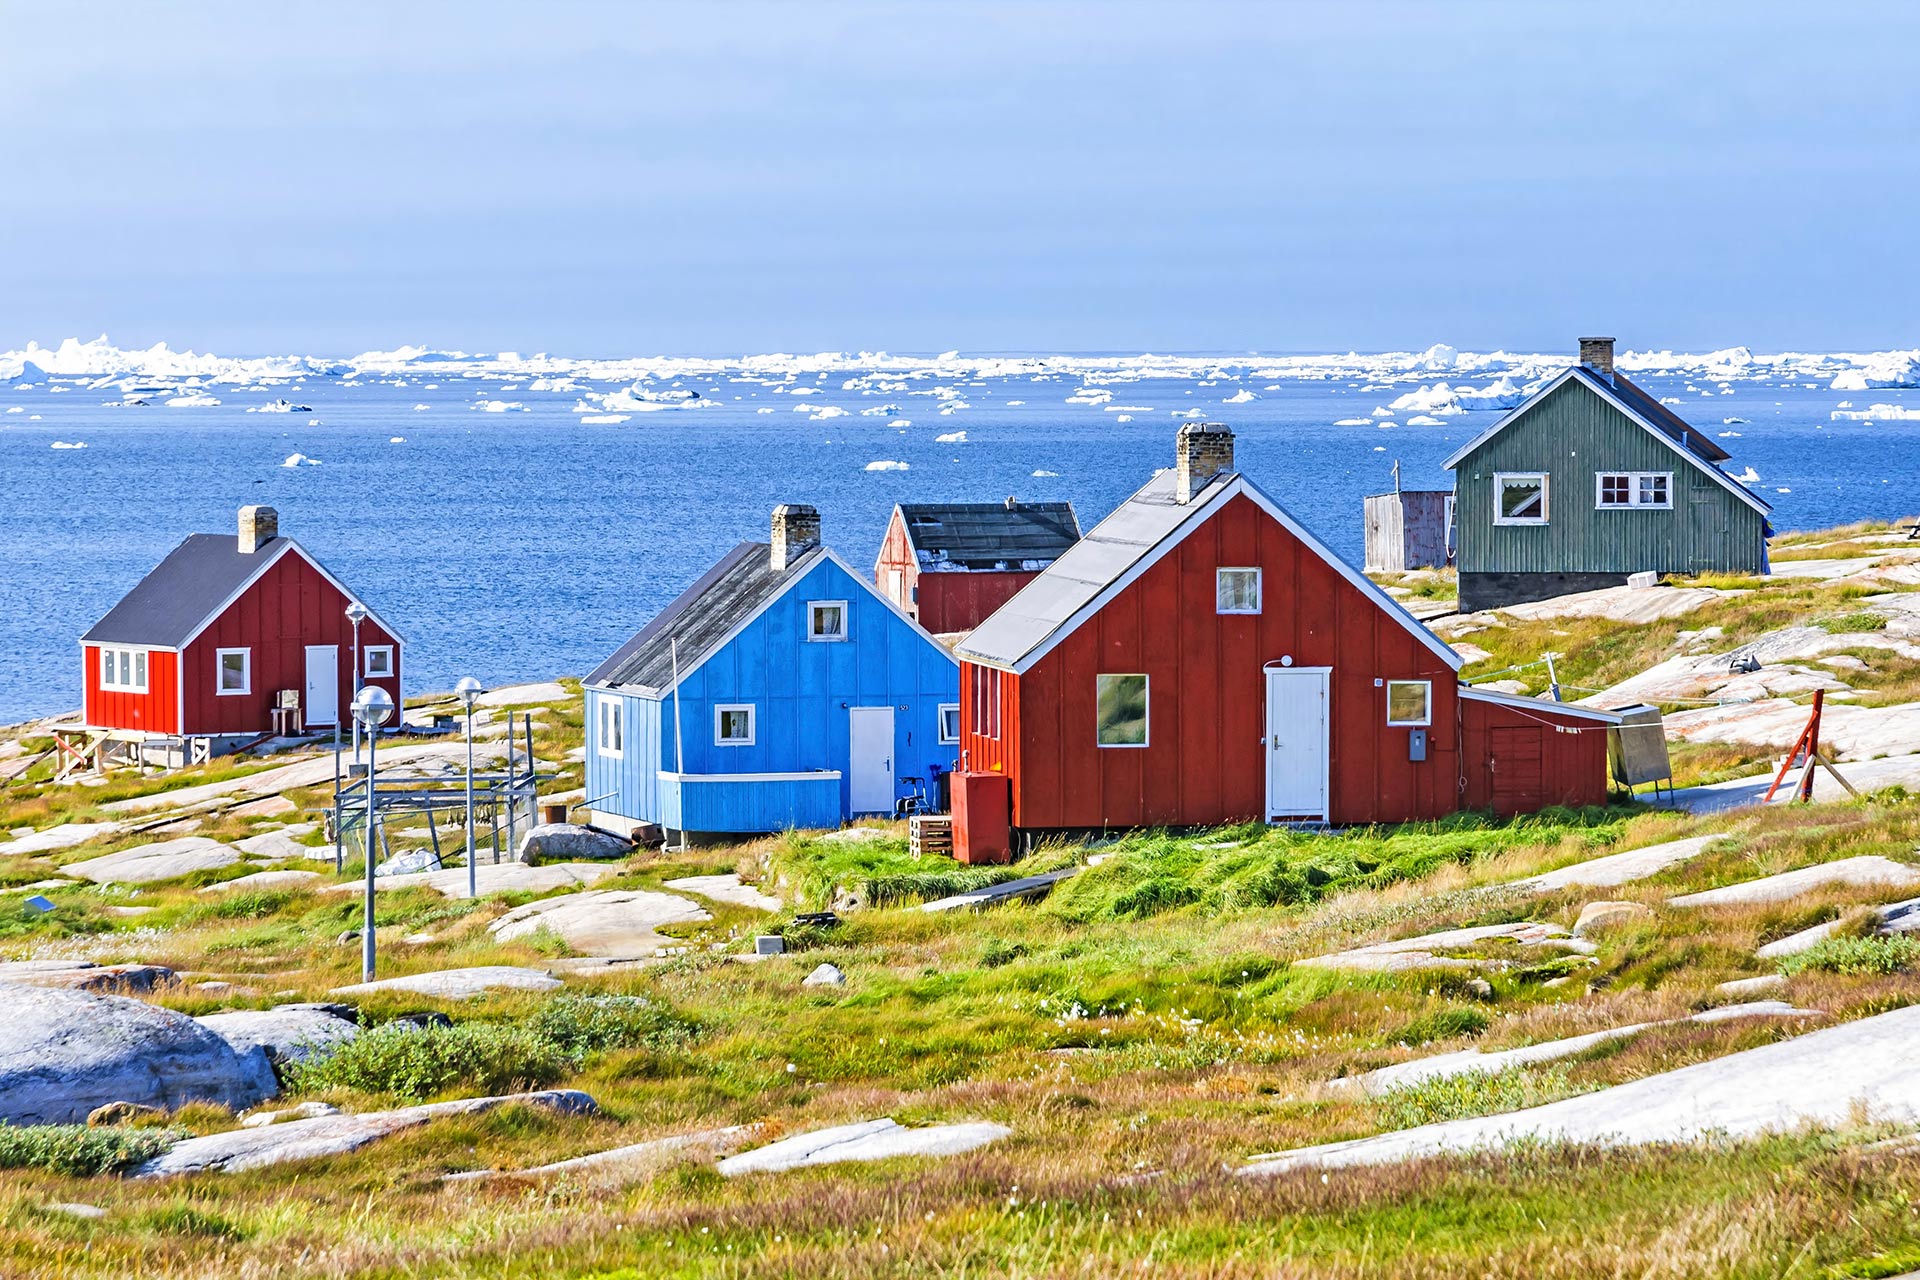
(1236, 590)
(233, 672)
(1410, 702)
(123, 669)
(1619, 490)
(1120, 703)
(733, 725)
(826, 619)
(949, 722)
(1519, 497)
(612, 727)
(378, 660)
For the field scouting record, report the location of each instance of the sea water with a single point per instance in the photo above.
(520, 543)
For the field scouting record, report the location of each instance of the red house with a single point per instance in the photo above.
(1201, 658)
(950, 564)
(224, 631)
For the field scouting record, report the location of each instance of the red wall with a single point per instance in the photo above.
(155, 711)
(947, 602)
(1517, 764)
(290, 607)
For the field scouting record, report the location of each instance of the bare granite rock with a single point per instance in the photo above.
(460, 984)
(152, 863)
(286, 1034)
(570, 840)
(602, 922)
(1853, 873)
(870, 1140)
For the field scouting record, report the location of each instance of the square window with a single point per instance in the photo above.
(826, 620)
(1410, 702)
(949, 722)
(379, 660)
(1236, 590)
(1520, 497)
(1616, 490)
(733, 726)
(1652, 490)
(1121, 705)
(232, 667)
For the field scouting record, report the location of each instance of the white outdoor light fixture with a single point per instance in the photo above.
(467, 690)
(357, 613)
(371, 707)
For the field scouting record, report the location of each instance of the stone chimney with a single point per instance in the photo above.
(796, 531)
(1597, 355)
(1202, 451)
(258, 527)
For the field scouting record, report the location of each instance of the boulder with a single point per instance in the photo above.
(412, 862)
(287, 1034)
(602, 922)
(268, 880)
(108, 1114)
(65, 1053)
(151, 863)
(305, 1111)
(568, 840)
(826, 975)
(280, 846)
(1596, 917)
(84, 975)
(460, 984)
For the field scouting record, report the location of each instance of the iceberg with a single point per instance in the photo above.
(1045, 475)
(1424, 420)
(1242, 396)
(603, 419)
(952, 437)
(888, 465)
(69, 444)
(500, 406)
(1354, 422)
(1877, 413)
(282, 406)
(295, 459)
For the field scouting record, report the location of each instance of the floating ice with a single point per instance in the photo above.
(1749, 476)
(1424, 420)
(396, 439)
(888, 465)
(1242, 396)
(1045, 475)
(295, 459)
(952, 437)
(500, 406)
(421, 408)
(1878, 413)
(604, 419)
(901, 422)
(69, 444)
(826, 411)
(1354, 422)
(280, 406)
(1732, 421)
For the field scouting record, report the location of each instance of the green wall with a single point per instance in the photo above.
(1571, 434)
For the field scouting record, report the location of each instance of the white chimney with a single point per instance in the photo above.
(258, 527)
(796, 531)
(1201, 451)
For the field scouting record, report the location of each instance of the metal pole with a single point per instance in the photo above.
(366, 933)
(473, 872)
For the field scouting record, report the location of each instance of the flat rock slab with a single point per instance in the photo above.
(1895, 917)
(1005, 891)
(270, 807)
(1422, 951)
(602, 922)
(1854, 873)
(636, 1159)
(152, 863)
(268, 880)
(1621, 604)
(64, 836)
(505, 877)
(1866, 775)
(1445, 1066)
(523, 695)
(287, 1035)
(241, 1149)
(1618, 868)
(63, 1053)
(872, 1140)
(85, 975)
(727, 889)
(280, 846)
(1823, 1078)
(460, 984)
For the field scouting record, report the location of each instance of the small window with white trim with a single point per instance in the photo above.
(949, 722)
(1409, 702)
(1620, 490)
(986, 701)
(379, 660)
(1120, 703)
(733, 725)
(124, 670)
(235, 668)
(612, 727)
(1520, 497)
(1236, 590)
(826, 619)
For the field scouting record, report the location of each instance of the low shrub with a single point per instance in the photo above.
(1475, 1093)
(79, 1151)
(1849, 623)
(1444, 1024)
(1855, 956)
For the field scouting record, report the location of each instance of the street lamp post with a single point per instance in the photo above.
(467, 690)
(357, 613)
(371, 707)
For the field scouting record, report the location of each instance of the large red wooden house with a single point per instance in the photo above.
(950, 564)
(1201, 658)
(223, 632)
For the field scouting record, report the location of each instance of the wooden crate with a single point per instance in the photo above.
(930, 833)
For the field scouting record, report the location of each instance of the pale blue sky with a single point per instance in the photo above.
(628, 178)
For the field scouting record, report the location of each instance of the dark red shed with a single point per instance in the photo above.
(1201, 658)
(224, 630)
(950, 564)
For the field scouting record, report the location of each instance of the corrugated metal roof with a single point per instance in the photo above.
(169, 604)
(989, 535)
(1135, 528)
(701, 617)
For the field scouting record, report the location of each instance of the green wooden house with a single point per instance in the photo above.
(1592, 480)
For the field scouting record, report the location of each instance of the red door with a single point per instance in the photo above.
(1519, 775)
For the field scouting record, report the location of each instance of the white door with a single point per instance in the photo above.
(1297, 749)
(870, 759)
(322, 706)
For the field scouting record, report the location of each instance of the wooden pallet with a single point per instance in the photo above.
(930, 833)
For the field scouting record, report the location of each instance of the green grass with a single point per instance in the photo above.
(1855, 956)
(79, 1151)
(1472, 1093)
(881, 872)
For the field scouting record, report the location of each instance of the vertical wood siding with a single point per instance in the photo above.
(943, 603)
(155, 711)
(1518, 761)
(1572, 434)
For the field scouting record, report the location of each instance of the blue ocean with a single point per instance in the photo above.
(515, 533)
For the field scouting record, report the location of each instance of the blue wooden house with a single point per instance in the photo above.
(780, 690)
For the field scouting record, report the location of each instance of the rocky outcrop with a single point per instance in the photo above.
(289, 1034)
(568, 840)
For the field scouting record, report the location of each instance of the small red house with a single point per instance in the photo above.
(222, 632)
(1201, 658)
(950, 564)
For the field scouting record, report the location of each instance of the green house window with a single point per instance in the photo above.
(1122, 707)
(1520, 497)
(1626, 489)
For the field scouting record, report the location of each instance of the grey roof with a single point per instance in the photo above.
(700, 617)
(990, 535)
(169, 604)
(1087, 568)
(1683, 433)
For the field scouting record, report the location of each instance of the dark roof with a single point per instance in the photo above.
(1684, 433)
(701, 617)
(990, 535)
(170, 603)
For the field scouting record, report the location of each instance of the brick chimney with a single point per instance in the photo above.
(796, 531)
(1597, 355)
(258, 527)
(1202, 451)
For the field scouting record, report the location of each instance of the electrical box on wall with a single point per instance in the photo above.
(1417, 744)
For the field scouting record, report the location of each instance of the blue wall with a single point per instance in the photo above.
(801, 691)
